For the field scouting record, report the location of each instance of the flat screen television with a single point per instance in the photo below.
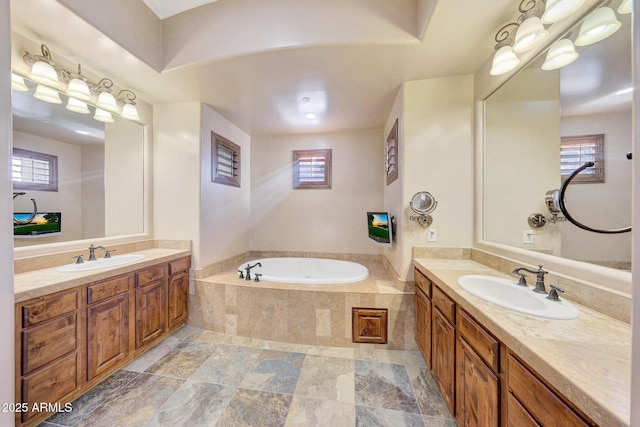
(380, 228)
(42, 223)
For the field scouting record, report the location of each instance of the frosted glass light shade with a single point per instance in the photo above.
(79, 89)
(46, 94)
(103, 116)
(503, 61)
(42, 72)
(599, 25)
(77, 106)
(130, 112)
(557, 10)
(530, 33)
(560, 54)
(107, 101)
(625, 7)
(17, 83)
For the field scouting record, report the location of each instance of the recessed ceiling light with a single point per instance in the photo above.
(306, 99)
(310, 116)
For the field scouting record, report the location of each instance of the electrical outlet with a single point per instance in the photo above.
(432, 235)
(527, 237)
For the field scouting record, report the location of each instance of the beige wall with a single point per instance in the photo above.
(93, 211)
(393, 195)
(66, 200)
(321, 220)
(602, 205)
(224, 210)
(7, 331)
(522, 158)
(436, 156)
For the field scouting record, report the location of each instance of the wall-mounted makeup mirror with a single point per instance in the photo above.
(100, 170)
(525, 121)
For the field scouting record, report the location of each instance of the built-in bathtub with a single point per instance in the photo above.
(312, 271)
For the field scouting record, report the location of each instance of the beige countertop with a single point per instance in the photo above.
(587, 359)
(36, 283)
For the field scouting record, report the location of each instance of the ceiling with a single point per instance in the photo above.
(167, 8)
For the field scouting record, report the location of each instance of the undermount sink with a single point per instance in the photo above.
(508, 294)
(114, 261)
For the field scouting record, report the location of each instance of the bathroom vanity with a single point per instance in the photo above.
(75, 329)
(496, 367)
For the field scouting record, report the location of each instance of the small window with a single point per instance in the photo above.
(391, 154)
(311, 169)
(32, 170)
(225, 161)
(575, 151)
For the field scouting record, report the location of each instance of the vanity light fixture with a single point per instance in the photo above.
(557, 10)
(47, 94)
(560, 54)
(17, 83)
(531, 31)
(600, 24)
(505, 59)
(52, 78)
(625, 7)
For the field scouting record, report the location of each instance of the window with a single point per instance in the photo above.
(391, 154)
(576, 150)
(311, 169)
(225, 161)
(31, 170)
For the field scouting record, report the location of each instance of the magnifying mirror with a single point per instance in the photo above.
(423, 203)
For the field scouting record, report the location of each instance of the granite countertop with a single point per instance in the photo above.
(36, 283)
(587, 359)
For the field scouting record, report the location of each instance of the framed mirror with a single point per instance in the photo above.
(99, 174)
(525, 123)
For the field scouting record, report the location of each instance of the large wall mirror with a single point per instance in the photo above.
(525, 123)
(99, 176)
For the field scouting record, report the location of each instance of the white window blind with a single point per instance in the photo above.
(225, 161)
(311, 169)
(32, 170)
(575, 151)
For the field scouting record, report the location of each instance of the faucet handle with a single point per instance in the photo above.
(107, 252)
(241, 274)
(257, 277)
(78, 258)
(553, 293)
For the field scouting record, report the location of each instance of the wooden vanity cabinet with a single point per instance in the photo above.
(107, 324)
(151, 304)
(48, 340)
(178, 292)
(477, 377)
(530, 402)
(443, 342)
(422, 328)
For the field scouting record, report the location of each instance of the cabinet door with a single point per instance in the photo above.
(150, 312)
(423, 324)
(107, 334)
(443, 357)
(478, 393)
(178, 298)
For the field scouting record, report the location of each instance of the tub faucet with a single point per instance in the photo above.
(248, 268)
(540, 272)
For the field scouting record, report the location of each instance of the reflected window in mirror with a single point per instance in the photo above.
(32, 170)
(575, 151)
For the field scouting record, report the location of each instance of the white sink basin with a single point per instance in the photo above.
(508, 294)
(114, 261)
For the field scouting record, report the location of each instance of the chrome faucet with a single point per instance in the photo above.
(248, 270)
(92, 252)
(540, 272)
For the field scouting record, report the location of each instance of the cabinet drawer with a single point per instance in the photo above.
(540, 402)
(445, 305)
(178, 265)
(422, 282)
(484, 344)
(107, 289)
(50, 384)
(150, 274)
(47, 342)
(48, 308)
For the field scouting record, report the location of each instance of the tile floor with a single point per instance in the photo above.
(201, 378)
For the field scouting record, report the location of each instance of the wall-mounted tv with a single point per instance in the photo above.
(42, 223)
(380, 228)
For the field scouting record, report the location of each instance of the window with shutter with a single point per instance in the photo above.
(391, 154)
(575, 151)
(311, 169)
(31, 170)
(225, 161)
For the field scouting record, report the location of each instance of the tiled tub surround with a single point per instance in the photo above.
(587, 359)
(298, 313)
